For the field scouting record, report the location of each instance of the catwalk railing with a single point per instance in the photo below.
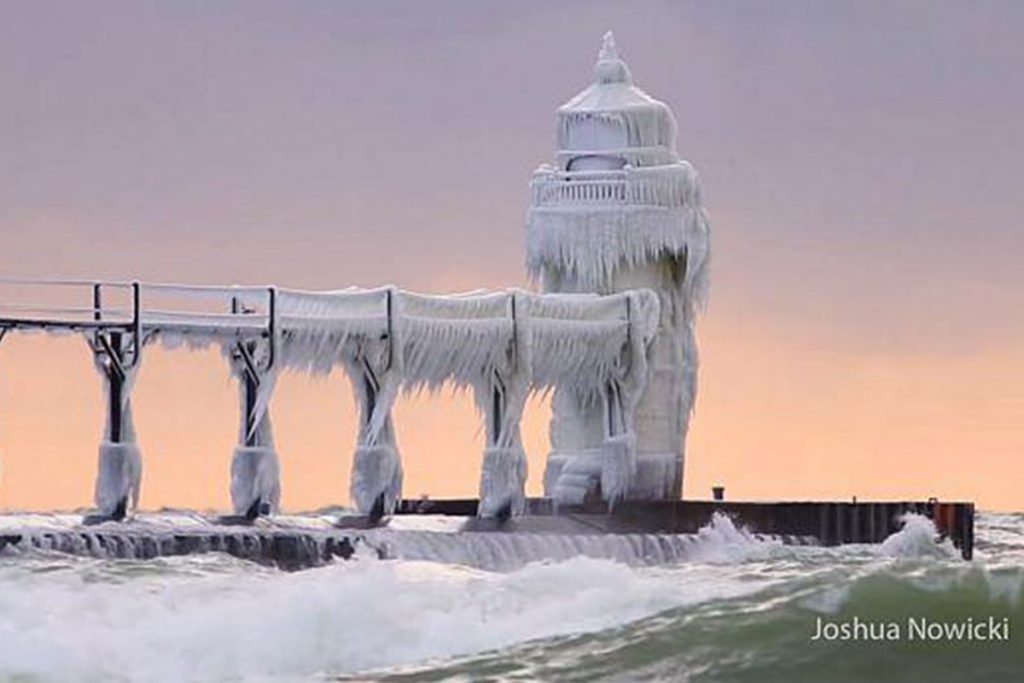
(667, 186)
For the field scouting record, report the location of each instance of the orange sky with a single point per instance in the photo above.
(860, 161)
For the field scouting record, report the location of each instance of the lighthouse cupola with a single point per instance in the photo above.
(613, 123)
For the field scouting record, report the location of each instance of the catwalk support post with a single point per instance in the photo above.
(255, 470)
(117, 351)
(503, 399)
(377, 372)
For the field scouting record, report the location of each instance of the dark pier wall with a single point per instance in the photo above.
(830, 523)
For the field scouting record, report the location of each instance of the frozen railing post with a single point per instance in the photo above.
(503, 476)
(255, 471)
(377, 373)
(117, 353)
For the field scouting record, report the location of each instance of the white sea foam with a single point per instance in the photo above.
(264, 625)
(917, 538)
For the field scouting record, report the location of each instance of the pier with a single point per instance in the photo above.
(637, 532)
(819, 523)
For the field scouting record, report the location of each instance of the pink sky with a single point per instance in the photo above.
(860, 162)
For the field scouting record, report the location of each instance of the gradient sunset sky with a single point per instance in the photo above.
(861, 162)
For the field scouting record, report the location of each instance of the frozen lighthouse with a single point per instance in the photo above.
(617, 237)
(618, 241)
(620, 210)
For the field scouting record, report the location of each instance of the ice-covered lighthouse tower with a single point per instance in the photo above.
(618, 210)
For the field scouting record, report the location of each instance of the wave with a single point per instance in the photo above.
(767, 635)
(260, 624)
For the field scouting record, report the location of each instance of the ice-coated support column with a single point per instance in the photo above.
(623, 397)
(117, 353)
(609, 465)
(504, 394)
(255, 470)
(376, 374)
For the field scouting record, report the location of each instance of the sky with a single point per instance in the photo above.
(860, 163)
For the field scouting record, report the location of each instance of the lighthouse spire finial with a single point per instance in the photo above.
(609, 50)
(610, 67)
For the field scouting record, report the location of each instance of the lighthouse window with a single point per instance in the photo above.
(596, 162)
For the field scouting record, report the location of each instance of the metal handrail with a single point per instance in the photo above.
(19, 314)
(61, 282)
(58, 309)
(206, 315)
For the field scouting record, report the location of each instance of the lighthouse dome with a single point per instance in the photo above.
(612, 123)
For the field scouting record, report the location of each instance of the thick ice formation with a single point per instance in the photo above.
(118, 478)
(501, 346)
